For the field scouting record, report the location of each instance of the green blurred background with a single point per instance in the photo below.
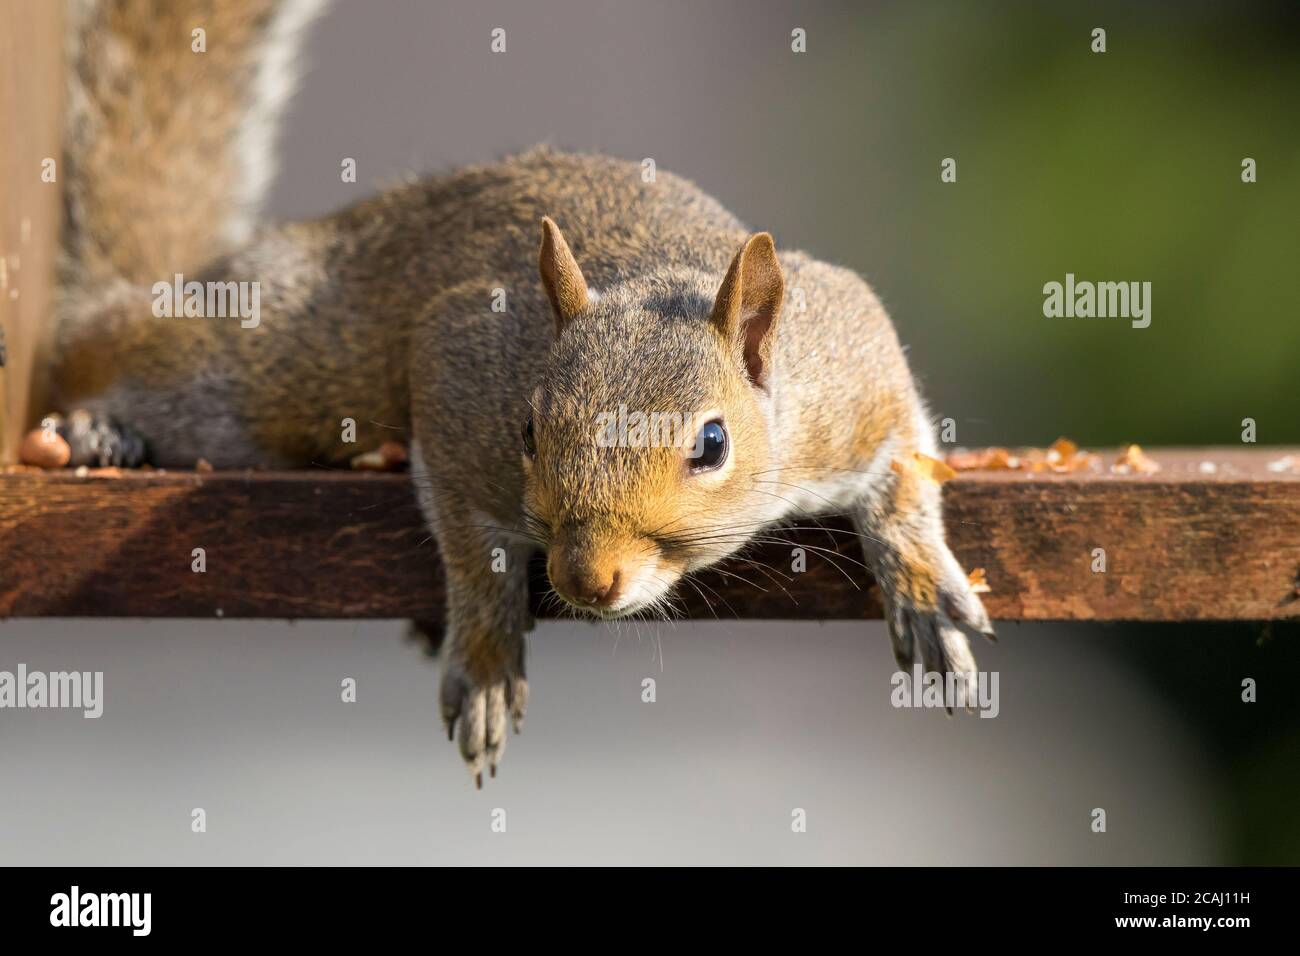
(1122, 165)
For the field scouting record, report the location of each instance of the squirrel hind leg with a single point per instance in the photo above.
(103, 442)
(84, 439)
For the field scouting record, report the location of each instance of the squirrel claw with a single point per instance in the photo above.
(942, 646)
(476, 710)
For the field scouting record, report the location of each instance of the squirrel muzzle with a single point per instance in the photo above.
(606, 577)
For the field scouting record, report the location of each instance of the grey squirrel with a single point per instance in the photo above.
(654, 298)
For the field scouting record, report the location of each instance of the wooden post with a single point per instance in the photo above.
(31, 83)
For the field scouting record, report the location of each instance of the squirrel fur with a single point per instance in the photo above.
(618, 292)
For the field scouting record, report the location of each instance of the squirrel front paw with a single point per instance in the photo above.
(480, 699)
(932, 628)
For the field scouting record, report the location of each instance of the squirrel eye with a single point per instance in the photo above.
(530, 442)
(710, 449)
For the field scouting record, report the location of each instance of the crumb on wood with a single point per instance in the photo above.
(1133, 460)
(390, 456)
(1063, 456)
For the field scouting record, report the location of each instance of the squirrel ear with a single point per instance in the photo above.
(561, 276)
(749, 303)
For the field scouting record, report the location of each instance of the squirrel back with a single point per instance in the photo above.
(168, 149)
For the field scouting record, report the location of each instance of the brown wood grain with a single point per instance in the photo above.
(1180, 545)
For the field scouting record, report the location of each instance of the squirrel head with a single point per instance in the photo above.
(645, 442)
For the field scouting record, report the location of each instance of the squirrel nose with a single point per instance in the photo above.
(601, 590)
(595, 586)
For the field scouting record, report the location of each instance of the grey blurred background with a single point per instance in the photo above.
(1124, 165)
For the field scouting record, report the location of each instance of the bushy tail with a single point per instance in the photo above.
(171, 109)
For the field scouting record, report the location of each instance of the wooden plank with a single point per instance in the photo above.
(1180, 545)
(30, 83)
